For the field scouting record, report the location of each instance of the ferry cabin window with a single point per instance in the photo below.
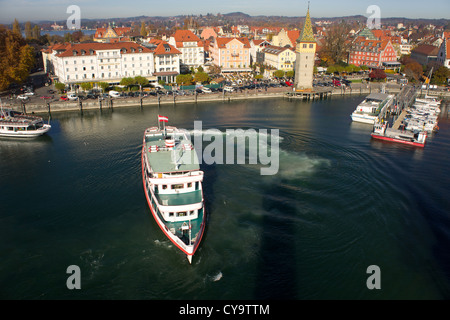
(170, 214)
(181, 214)
(164, 186)
(189, 185)
(177, 186)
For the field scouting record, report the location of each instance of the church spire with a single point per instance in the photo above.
(307, 34)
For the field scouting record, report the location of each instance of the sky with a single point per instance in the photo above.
(35, 10)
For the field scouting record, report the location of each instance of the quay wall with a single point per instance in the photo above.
(61, 106)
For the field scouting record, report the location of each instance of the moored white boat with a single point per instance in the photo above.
(370, 108)
(17, 124)
(382, 132)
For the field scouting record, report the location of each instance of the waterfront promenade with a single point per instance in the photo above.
(37, 105)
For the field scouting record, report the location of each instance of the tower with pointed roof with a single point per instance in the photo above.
(305, 56)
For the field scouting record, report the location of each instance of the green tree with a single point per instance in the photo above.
(128, 82)
(60, 86)
(86, 86)
(140, 80)
(440, 75)
(278, 74)
(103, 85)
(290, 74)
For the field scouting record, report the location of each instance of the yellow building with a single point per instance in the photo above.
(280, 58)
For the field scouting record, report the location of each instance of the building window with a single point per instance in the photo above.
(311, 45)
(304, 45)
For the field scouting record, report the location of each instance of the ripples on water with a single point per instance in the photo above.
(339, 203)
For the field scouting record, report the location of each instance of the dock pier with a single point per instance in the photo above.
(309, 94)
(403, 100)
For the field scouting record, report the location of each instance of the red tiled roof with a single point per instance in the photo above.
(119, 31)
(293, 36)
(161, 47)
(221, 42)
(181, 36)
(87, 47)
(426, 49)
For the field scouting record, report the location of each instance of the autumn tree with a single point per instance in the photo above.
(413, 71)
(336, 45)
(17, 58)
(440, 75)
(36, 32)
(16, 27)
(184, 79)
(143, 29)
(28, 31)
(377, 74)
(201, 77)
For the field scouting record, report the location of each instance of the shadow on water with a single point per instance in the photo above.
(276, 278)
(209, 180)
(439, 224)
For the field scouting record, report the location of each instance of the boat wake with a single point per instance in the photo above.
(216, 277)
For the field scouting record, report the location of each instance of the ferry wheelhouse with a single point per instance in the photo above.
(173, 185)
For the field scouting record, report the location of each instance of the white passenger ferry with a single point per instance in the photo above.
(173, 186)
(371, 107)
(17, 124)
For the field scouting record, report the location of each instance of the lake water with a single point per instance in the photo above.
(339, 203)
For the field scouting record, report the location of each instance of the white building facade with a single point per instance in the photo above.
(100, 62)
(191, 48)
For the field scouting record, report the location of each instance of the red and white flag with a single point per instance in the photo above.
(163, 119)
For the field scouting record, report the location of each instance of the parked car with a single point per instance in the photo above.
(22, 97)
(206, 90)
(114, 94)
(72, 96)
(64, 98)
(228, 89)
